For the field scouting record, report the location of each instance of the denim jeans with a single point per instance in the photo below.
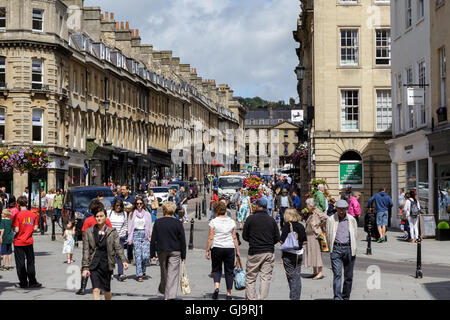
(122, 241)
(342, 257)
(293, 274)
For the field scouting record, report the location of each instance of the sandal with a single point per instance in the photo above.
(140, 279)
(122, 277)
(315, 278)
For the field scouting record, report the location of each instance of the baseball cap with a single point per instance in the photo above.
(342, 204)
(262, 203)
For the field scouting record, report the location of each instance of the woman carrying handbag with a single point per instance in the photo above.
(223, 243)
(293, 237)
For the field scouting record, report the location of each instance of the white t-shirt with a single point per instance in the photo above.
(223, 230)
(139, 223)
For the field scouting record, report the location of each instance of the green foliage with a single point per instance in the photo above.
(257, 102)
(443, 225)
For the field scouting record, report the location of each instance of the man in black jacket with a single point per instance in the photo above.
(261, 232)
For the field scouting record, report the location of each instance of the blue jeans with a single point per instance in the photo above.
(342, 257)
(56, 215)
(141, 251)
(292, 266)
(122, 241)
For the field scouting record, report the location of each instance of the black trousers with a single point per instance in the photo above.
(282, 210)
(223, 256)
(26, 274)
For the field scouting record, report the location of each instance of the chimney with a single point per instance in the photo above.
(101, 16)
(132, 32)
(117, 26)
(112, 16)
(121, 25)
(137, 32)
(128, 26)
(106, 15)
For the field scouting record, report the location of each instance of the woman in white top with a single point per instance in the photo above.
(223, 243)
(413, 218)
(119, 221)
(139, 233)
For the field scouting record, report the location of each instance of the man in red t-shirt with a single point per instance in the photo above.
(25, 223)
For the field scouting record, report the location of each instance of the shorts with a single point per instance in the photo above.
(382, 218)
(6, 249)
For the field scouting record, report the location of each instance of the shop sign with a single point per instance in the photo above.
(416, 96)
(351, 173)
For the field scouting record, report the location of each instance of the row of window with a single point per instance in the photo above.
(37, 16)
(266, 133)
(349, 47)
(356, 1)
(267, 147)
(37, 125)
(415, 115)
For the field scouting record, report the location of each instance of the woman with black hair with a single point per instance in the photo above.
(100, 246)
(119, 221)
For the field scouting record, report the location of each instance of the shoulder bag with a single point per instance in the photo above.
(291, 242)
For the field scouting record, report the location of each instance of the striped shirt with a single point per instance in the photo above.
(119, 222)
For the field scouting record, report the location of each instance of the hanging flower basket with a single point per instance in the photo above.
(25, 159)
(314, 184)
(252, 185)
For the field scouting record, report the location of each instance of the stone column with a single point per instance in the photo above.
(395, 221)
(20, 183)
(51, 179)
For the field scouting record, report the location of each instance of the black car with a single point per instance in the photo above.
(76, 204)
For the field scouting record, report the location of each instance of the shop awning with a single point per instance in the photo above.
(217, 164)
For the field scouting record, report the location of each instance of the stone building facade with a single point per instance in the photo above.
(82, 86)
(345, 92)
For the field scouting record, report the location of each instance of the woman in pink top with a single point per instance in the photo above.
(354, 208)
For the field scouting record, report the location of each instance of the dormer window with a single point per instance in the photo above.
(108, 54)
(102, 51)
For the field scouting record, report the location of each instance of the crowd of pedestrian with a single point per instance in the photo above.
(128, 230)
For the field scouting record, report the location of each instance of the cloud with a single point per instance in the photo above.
(247, 44)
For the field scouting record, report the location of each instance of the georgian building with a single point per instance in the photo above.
(106, 107)
(270, 139)
(344, 87)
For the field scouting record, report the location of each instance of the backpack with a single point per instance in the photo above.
(414, 211)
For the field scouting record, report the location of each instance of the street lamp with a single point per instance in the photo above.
(300, 72)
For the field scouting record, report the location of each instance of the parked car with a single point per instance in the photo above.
(171, 186)
(76, 204)
(161, 193)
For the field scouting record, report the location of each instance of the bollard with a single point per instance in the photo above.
(191, 235)
(196, 210)
(369, 235)
(53, 228)
(204, 207)
(419, 273)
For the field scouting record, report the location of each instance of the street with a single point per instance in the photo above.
(395, 261)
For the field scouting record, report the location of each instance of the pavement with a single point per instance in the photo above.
(387, 274)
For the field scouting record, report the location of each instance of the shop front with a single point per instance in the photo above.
(412, 170)
(440, 152)
(58, 170)
(160, 162)
(76, 177)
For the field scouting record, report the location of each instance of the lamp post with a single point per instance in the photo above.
(300, 72)
(41, 216)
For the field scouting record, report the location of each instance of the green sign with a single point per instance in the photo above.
(351, 173)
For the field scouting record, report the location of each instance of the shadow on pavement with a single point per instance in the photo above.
(439, 290)
(44, 253)
(4, 285)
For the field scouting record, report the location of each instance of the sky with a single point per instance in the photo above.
(247, 44)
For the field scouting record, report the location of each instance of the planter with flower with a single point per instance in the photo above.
(252, 185)
(314, 183)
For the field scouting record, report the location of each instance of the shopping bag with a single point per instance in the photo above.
(323, 242)
(239, 275)
(185, 286)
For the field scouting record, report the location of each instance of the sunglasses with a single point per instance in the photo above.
(139, 203)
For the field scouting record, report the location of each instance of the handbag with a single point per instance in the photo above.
(185, 286)
(323, 243)
(291, 242)
(155, 204)
(239, 275)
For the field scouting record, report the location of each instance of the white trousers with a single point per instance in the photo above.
(413, 227)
